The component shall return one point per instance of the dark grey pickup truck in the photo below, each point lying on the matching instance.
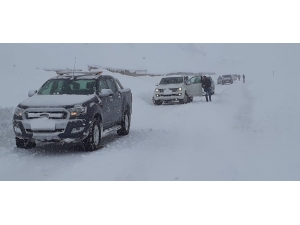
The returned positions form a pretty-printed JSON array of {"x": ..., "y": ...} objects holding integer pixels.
[{"x": 73, "y": 107}]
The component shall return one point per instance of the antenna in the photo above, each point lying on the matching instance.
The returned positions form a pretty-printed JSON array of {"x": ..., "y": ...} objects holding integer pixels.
[{"x": 74, "y": 67}]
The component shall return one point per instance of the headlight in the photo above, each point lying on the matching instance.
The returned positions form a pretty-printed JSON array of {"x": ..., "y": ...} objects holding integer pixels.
[
  {"x": 19, "y": 111},
  {"x": 180, "y": 89},
  {"x": 156, "y": 90},
  {"x": 77, "y": 111}
]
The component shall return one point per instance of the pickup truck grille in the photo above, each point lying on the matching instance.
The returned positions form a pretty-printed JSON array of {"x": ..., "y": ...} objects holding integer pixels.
[
  {"x": 48, "y": 114},
  {"x": 168, "y": 90},
  {"x": 45, "y": 131}
]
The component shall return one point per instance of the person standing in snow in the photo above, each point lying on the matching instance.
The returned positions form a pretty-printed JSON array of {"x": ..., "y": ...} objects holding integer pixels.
[
  {"x": 243, "y": 78},
  {"x": 206, "y": 86}
]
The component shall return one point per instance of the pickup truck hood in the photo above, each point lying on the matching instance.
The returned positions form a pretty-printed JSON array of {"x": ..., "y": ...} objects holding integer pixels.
[
  {"x": 163, "y": 86},
  {"x": 55, "y": 100}
]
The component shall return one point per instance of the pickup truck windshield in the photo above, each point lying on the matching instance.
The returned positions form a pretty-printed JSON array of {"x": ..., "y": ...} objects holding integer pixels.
[
  {"x": 68, "y": 87},
  {"x": 171, "y": 80},
  {"x": 227, "y": 76}
]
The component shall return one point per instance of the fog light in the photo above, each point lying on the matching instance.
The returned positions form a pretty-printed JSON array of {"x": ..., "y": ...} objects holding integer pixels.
[
  {"x": 179, "y": 94},
  {"x": 157, "y": 95},
  {"x": 77, "y": 130},
  {"x": 18, "y": 130}
]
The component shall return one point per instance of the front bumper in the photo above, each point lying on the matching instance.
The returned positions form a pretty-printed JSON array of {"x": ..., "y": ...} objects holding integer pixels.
[
  {"x": 67, "y": 131},
  {"x": 52, "y": 130},
  {"x": 173, "y": 96}
]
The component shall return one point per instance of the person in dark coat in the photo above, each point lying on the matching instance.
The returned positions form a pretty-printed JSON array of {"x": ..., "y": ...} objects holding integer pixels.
[
  {"x": 206, "y": 84},
  {"x": 243, "y": 78}
]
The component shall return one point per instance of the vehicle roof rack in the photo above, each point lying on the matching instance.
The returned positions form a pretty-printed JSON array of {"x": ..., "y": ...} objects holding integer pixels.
[{"x": 77, "y": 72}]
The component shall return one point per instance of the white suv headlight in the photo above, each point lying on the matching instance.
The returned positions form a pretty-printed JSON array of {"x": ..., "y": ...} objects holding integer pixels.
[
  {"x": 156, "y": 90},
  {"x": 180, "y": 89}
]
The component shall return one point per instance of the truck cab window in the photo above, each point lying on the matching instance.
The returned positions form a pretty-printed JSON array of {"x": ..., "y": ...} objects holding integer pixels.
[
  {"x": 102, "y": 85},
  {"x": 111, "y": 84}
]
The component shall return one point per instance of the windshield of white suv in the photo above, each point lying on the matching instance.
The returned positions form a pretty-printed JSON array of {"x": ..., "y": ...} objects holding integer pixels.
[
  {"x": 227, "y": 76},
  {"x": 68, "y": 87},
  {"x": 171, "y": 80}
]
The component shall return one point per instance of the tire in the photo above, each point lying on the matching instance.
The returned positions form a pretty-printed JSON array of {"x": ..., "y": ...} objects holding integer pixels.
[
  {"x": 125, "y": 124},
  {"x": 191, "y": 99},
  {"x": 93, "y": 140},
  {"x": 24, "y": 143},
  {"x": 157, "y": 102},
  {"x": 185, "y": 99}
]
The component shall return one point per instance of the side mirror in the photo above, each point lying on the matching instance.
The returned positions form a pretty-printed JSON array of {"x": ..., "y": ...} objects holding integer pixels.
[
  {"x": 32, "y": 93},
  {"x": 188, "y": 82},
  {"x": 156, "y": 84},
  {"x": 106, "y": 92}
]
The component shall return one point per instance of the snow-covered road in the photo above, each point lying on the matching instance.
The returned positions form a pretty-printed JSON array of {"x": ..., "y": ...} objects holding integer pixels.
[{"x": 225, "y": 139}]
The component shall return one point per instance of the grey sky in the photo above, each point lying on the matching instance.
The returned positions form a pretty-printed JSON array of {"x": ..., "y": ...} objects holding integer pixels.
[{"x": 262, "y": 59}]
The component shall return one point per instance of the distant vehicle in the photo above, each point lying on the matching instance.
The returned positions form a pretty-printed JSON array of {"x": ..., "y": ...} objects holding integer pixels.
[
  {"x": 219, "y": 80},
  {"x": 177, "y": 89},
  {"x": 79, "y": 107},
  {"x": 227, "y": 79}
]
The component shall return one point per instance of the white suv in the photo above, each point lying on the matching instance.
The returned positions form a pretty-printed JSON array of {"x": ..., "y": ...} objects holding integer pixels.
[{"x": 177, "y": 88}]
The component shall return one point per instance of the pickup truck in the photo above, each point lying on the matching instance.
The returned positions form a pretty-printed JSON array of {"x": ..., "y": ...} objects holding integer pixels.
[
  {"x": 177, "y": 88},
  {"x": 73, "y": 107}
]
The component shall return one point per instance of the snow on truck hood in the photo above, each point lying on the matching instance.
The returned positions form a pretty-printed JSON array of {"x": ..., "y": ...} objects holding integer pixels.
[{"x": 55, "y": 100}]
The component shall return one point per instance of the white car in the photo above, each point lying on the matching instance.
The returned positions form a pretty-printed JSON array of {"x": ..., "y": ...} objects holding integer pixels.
[{"x": 177, "y": 88}]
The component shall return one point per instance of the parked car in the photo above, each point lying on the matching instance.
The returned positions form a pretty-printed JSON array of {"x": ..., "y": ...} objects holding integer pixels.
[
  {"x": 78, "y": 107},
  {"x": 227, "y": 79},
  {"x": 219, "y": 80},
  {"x": 177, "y": 89}
]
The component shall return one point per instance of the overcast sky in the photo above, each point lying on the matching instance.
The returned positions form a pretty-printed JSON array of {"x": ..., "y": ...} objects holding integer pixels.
[{"x": 262, "y": 59}]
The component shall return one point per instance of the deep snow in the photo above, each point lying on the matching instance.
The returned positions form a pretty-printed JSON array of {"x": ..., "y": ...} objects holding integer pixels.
[{"x": 249, "y": 132}]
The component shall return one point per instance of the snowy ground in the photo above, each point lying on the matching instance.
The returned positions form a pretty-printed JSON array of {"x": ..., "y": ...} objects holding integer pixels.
[{"x": 248, "y": 132}]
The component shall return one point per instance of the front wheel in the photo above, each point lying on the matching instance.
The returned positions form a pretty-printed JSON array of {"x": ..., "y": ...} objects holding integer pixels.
[
  {"x": 157, "y": 102},
  {"x": 185, "y": 99},
  {"x": 125, "y": 124},
  {"x": 92, "y": 142},
  {"x": 25, "y": 143}
]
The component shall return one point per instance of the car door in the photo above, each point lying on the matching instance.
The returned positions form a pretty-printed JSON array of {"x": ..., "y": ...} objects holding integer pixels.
[
  {"x": 194, "y": 85},
  {"x": 117, "y": 115},
  {"x": 107, "y": 104}
]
